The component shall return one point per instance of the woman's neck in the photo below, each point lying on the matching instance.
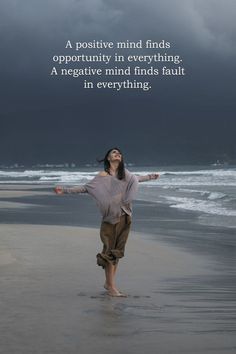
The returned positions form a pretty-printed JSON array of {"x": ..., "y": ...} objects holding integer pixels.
[{"x": 113, "y": 169}]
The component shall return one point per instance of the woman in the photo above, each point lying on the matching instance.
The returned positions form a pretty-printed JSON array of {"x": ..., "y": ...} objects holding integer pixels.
[{"x": 113, "y": 189}]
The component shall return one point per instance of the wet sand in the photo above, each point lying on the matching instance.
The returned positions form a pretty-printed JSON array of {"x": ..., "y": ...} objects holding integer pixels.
[{"x": 52, "y": 296}]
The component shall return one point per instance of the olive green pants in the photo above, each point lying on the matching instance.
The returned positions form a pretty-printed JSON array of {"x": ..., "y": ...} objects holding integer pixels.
[{"x": 114, "y": 238}]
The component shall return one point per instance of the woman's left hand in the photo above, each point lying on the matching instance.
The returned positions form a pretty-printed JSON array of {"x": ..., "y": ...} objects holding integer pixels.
[{"x": 154, "y": 175}]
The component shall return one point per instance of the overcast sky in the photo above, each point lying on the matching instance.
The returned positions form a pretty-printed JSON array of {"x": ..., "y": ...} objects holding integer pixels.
[{"x": 49, "y": 119}]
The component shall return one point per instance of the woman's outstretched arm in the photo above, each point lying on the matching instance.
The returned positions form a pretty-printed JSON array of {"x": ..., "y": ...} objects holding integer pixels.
[
  {"x": 65, "y": 190},
  {"x": 148, "y": 177}
]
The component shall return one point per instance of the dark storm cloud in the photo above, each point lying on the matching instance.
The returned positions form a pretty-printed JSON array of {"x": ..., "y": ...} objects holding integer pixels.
[
  {"x": 49, "y": 119},
  {"x": 46, "y": 25}
]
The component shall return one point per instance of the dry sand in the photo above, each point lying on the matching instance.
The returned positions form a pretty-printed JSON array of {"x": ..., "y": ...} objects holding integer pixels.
[{"x": 52, "y": 300}]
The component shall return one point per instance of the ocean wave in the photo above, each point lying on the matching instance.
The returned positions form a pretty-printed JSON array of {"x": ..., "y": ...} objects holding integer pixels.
[
  {"x": 217, "y": 195},
  {"x": 204, "y": 206},
  {"x": 194, "y": 182},
  {"x": 204, "y": 193},
  {"x": 45, "y": 172},
  {"x": 186, "y": 190},
  {"x": 66, "y": 178},
  {"x": 45, "y": 175},
  {"x": 218, "y": 172},
  {"x": 168, "y": 179}
]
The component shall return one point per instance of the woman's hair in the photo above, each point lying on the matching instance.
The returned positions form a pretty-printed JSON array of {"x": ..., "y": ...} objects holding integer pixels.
[{"x": 121, "y": 167}]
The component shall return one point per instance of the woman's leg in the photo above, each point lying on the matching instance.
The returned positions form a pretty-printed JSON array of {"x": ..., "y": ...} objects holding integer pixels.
[
  {"x": 110, "y": 271},
  {"x": 114, "y": 241}
]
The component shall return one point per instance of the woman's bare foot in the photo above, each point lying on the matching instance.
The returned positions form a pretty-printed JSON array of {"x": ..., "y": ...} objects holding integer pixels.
[
  {"x": 106, "y": 286},
  {"x": 114, "y": 292}
]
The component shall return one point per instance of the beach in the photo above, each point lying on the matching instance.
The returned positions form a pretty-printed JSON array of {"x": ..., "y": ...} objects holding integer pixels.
[{"x": 178, "y": 274}]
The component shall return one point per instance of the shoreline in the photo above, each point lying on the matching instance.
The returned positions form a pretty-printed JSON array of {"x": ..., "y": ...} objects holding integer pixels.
[{"x": 180, "y": 228}]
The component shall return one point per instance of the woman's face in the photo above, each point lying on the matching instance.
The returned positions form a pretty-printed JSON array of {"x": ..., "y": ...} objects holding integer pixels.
[{"x": 115, "y": 155}]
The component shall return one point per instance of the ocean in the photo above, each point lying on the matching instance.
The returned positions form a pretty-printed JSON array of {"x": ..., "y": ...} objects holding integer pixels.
[{"x": 209, "y": 191}]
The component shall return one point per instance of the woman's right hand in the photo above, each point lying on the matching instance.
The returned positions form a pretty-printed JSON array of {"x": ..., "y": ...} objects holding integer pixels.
[{"x": 58, "y": 190}]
